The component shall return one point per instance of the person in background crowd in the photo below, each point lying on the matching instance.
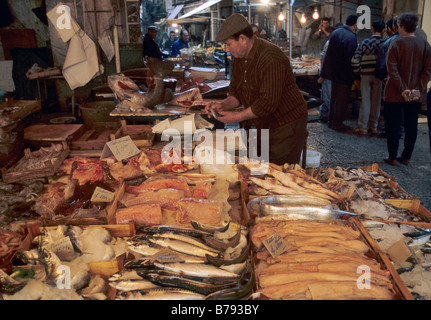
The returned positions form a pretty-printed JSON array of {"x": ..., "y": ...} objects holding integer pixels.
[
  {"x": 181, "y": 43},
  {"x": 392, "y": 31},
  {"x": 409, "y": 70},
  {"x": 282, "y": 35},
  {"x": 381, "y": 69},
  {"x": 150, "y": 47},
  {"x": 337, "y": 68},
  {"x": 323, "y": 33},
  {"x": 364, "y": 68},
  {"x": 167, "y": 46},
  {"x": 325, "y": 91},
  {"x": 263, "y": 82}
]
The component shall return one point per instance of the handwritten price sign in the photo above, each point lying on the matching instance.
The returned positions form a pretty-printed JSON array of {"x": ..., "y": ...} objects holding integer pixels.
[
  {"x": 275, "y": 245},
  {"x": 122, "y": 148},
  {"x": 102, "y": 195}
]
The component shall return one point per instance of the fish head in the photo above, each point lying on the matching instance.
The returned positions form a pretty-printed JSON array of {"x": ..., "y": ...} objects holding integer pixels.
[{"x": 122, "y": 86}]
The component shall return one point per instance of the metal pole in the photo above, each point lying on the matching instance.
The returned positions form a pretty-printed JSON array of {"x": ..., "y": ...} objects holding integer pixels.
[{"x": 290, "y": 28}]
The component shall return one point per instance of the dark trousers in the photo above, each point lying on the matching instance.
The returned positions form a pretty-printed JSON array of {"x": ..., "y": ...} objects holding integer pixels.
[
  {"x": 340, "y": 97},
  {"x": 393, "y": 115}
]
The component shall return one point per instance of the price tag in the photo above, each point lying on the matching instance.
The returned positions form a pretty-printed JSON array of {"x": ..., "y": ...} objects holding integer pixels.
[
  {"x": 122, "y": 148},
  {"x": 63, "y": 248},
  {"x": 102, "y": 195},
  {"x": 275, "y": 245}
]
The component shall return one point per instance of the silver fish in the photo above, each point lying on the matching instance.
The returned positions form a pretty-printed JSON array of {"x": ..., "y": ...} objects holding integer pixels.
[
  {"x": 420, "y": 240},
  {"x": 126, "y": 89},
  {"x": 310, "y": 213},
  {"x": 185, "y": 238},
  {"x": 189, "y": 284},
  {"x": 51, "y": 263},
  {"x": 196, "y": 270},
  {"x": 132, "y": 285},
  {"x": 143, "y": 247},
  {"x": 183, "y": 247},
  {"x": 8, "y": 284},
  {"x": 161, "y": 294}
]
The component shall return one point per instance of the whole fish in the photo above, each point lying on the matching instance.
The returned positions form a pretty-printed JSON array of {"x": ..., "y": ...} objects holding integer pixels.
[
  {"x": 160, "y": 294},
  {"x": 185, "y": 238},
  {"x": 183, "y": 247},
  {"x": 126, "y": 89},
  {"x": 132, "y": 285},
  {"x": 8, "y": 284},
  {"x": 197, "y": 270},
  {"x": 189, "y": 284}
]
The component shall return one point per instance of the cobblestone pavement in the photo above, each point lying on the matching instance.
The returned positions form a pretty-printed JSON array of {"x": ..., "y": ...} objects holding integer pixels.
[{"x": 350, "y": 150}]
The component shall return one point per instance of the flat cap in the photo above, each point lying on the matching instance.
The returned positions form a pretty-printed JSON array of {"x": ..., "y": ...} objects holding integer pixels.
[
  {"x": 233, "y": 24},
  {"x": 152, "y": 27}
]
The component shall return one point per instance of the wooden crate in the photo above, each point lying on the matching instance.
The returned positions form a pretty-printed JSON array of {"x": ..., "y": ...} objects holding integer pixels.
[
  {"x": 42, "y": 134},
  {"x": 399, "y": 285},
  {"x": 141, "y": 135},
  {"x": 21, "y": 108},
  {"x": 10, "y": 175},
  {"x": 103, "y": 219},
  {"x": 91, "y": 142}
]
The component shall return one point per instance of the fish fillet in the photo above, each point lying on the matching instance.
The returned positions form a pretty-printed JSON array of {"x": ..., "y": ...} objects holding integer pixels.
[
  {"x": 178, "y": 184},
  {"x": 200, "y": 210},
  {"x": 141, "y": 214},
  {"x": 202, "y": 190},
  {"x": 347, "y": 290},
  {"x": 166, "y": 198}
]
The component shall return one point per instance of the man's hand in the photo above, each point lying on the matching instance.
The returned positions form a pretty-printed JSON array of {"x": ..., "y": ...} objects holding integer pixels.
[
  {"x": 228, "y": 117},
  {"x": 213, "y": 106}
]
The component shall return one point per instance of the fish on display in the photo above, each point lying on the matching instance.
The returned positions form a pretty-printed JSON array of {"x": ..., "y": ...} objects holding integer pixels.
[
  {"x": 126, "y": 89},
  {"x": 160, "y": 294}
]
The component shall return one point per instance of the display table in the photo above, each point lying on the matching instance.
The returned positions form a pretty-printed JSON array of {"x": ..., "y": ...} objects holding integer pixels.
[{"x": 159, "y": 112}]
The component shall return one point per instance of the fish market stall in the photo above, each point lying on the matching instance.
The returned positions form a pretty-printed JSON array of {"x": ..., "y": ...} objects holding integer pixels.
[{"x": 189, "y": 229}]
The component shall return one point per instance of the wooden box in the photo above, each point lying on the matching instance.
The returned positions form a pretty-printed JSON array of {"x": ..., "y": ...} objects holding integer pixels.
[
  {"x": 49, "y": 169},
  {"x": 399, "y": 286},
  {"x": 141, "y": 135},
  {"x": 91, "y": 142},
  {"x": 45, "y": 134},
  {"x": 19, "y": 109}
]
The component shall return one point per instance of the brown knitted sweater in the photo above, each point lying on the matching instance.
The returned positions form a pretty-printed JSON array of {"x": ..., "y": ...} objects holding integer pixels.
[{"x": 409, "y": 67}]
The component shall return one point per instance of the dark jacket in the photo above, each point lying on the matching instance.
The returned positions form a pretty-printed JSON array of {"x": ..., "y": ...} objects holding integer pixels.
[
  {"x": 151, "y": 48},
  {"x": 337, "y": 65},
  {"x": 177, "y": 46},
  {"x": 381, "y": 69}
]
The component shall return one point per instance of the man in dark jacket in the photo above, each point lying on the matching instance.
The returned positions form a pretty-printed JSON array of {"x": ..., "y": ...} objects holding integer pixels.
[
  {"x": 150, "y": 47},
  {"x": 337, "y": 68}
]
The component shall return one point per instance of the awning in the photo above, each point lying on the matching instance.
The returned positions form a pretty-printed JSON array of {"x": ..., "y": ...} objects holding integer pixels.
[
  {"x": 188, "y": 20},
  {"x": 200, "y": 8},
  {"x": 175, "y": 12}
]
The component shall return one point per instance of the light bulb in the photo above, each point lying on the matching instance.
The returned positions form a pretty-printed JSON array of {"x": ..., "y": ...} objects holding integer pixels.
[
  {"x": 316, "y": 14},
  {"x": 174, "y": 25},
  {"x": 303, "y": 19},
  {"x": 281, "y": 17},
  {"x": 264, "y": 1}
]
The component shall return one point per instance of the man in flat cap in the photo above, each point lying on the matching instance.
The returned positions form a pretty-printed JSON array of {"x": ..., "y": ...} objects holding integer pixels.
[
  {"x": 150, "y": 47},
  {"x": 263, "y": 82}
]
